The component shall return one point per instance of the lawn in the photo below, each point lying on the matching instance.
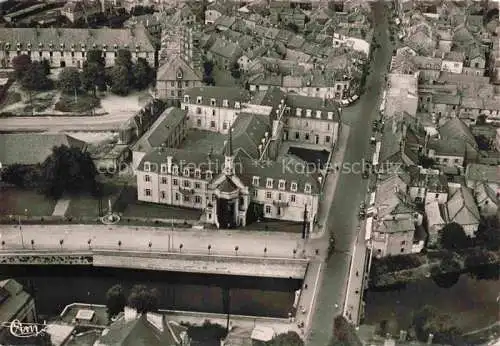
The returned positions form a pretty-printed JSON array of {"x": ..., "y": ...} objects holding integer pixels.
[
  {"x": 88, "y": 205},
  {"x": 146, "y": 210},
  {"x": 81, "y": 104},
  {"x": 11, "y": 98},
  {"x": 14, "y": 201},
  {"x": 39, "y": 101}
]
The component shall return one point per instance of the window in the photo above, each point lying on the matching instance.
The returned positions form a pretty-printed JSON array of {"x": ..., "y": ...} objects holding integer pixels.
[
  {"x": 403, "y": 242},
  {"x": 307, "y": 136},
  {"x": 279, "y": 196},
  {"x": 255, "y": 181},
  {"x": 298, "y": 112},
  {"x": 198, "y": 110},
  {"x": 175, "y": 169},
  {"x": 162, "y": 194},
  {"x": 437, "y": 195},
  {"x": 307, "y": 188},
  {"x": 318, "y": 114},
  {"x": 269, "y": 195},
  {"x": 209, "y": 175},
  {"x": 281, "y": 185},
  {"x": 292, "y": 198},
  {"x": 147, "y": 178},
  {"x": 268, "y": 209},
  {"x": 186, "y": 172},
  {"x": 402, "y": 250},
  {"x": 147, "y": 166},
  {"x": 237, "y": 105},
  {"x": 224, "y": 126},
  {"x": 187, "y": 183},
  {"x": 327, "y": 139},
  {"x": 164, "y": 180},
  {"x": 213, "y": 112},
  {"x": 293, "y": 187},
  {"x": 186, "y": 98},
  {"x": 297, "y": 135},
  {"x": 269, "y": 183},
  {"x": 197, "y": 185},
  {"x": 330, "y": 115},
  {"x": 225, "y": 103},
  {"x": 212, "y": 124},
  {"x": 172, "y": 84},
  {"x": 197, "y": 199},
  {"x": 197, "y": 173},
  {"x": 176, "y": 196},
  {"x": 185, "y": 198},
  {"x": 198, "y": 100},
  {"x": 308, "y": 113},
  {"x": 163, "y": 168},
  {"x": 212, "y": 102},
  {"x": 255, "y": 193},
  {"x": 147, "y": 192},
  {"x": 175, "y": 182},
  {"x": 198, "y": 122}
]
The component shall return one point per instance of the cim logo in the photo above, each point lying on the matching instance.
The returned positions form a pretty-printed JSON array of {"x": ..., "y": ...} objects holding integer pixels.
[{"x": 26, "y": 330}]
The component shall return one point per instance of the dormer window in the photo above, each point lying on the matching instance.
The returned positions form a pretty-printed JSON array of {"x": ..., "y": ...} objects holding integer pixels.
[
  {"x": 255, "y": 181},
  {"x": 308, "y": 113},
  {"x": 179, "y": 74},
  {"x": 198, "y": 100},
  {"x": 163, "y": 168},
  {"x": 61, "y": 45},
  {"x": 186, "y": 172},
  {"x": 281, "y": 185},
  {"x": 175, "y": 169},
  {"x": 212, "y": 102},
  {"x": 186, "y": 98},
  {"x": 237, "y": 105},
  {"x": 318, "y": 114},
  {"x": 330, "y": 115},
  {"x": 209, "y": 175},
  {"x": 197, "y": 173},
  {"x": 307, "y": 188},
  {"x": 39, "y": 45},
  {"x": 269, "y": 183},
  {"x": 298, "y": 112},
  {"x": 225, "y": 103},
  {"x": 147, "y": 166},
  {"x": 293, "y": 186},
  {"x": 115, "y": 46}
]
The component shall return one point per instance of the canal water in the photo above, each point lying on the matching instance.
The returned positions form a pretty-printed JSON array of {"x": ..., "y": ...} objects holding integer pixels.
[
  {"x": 471, "y": 302},
  {"x": 55, "y": 287}
]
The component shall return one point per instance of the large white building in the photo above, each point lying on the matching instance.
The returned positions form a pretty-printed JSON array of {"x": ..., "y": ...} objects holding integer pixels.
[{"x": 64, "y": 47}]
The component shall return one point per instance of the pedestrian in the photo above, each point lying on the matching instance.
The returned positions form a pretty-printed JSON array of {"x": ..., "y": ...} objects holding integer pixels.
[
  {"x": 305, "y": 286},
  {"x": 357, "y": 273}
]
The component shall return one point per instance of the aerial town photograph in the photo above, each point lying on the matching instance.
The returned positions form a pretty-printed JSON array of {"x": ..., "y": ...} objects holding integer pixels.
[{"x": 249, "y": 172}]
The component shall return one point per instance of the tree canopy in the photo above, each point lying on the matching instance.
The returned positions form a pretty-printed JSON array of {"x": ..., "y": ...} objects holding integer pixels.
[
  {"x": 115, "y": 300},
  {"x": 287, "y": 339},
  {"x": 453, "y": 237},
  {"x": 143, "y": 299},
  {"x": 35, "y": 77},
  {"x": 20, "y": 65},
  {"x": 488, "y": 234},
  {"x": 429, "y": 321},
  {"x": 143, "y": 74},
  {"x": 68, "y": 170},
  {"x": 69, "y": 80},
  {"x": 120, "y": 80}
]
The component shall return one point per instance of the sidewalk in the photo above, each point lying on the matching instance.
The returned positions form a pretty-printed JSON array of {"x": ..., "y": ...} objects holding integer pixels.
[{"x": 330, "y": 184}]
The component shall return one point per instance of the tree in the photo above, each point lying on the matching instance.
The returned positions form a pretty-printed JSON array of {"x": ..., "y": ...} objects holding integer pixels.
[
  {"x": 120, "y": 80},
  {"x": 68, "y": 170},
  {"x": 35, "y": 78},
  {"x": 124, "y": 58},
  {"x": 143, "y": 74},
  {"x": 69, "y": 80},
  {"x": 20, "y": 64},
  {"x": 292, "y": 27},
  {"x": 95, "y": 56},
  {"x": 235, "y": 70},
  {"x": 482, "y": 142},
  {"x": 93, "y": 75},
  {"x": 488, "y": 233},
  {"x": 46, "y": 66},
  {"x": 453, "y": 237},
  {"x": 115, "y": 300},
  {"x": 429, "y": 321},
  {"x": 287, "y": 339},
  {"x": 143, "y": 299}
]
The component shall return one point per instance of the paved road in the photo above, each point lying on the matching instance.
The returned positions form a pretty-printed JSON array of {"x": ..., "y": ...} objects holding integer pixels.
[
  {"x": 350, "y": 190},
  {"x": 75, "y": 237}
]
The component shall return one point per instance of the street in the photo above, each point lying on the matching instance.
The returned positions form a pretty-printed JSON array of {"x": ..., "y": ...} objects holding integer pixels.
[{"x": 351, "y": 189}]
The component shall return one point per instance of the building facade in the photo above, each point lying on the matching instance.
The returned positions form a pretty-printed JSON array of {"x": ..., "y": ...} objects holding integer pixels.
[
  {"x": 64, "y": 47},
  {"x": 174, "y": 77}
]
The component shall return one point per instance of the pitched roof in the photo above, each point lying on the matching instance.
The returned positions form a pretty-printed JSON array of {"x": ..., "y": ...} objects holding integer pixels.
[
  {"x": 248, "y": 130},
  {"x": 33, "y": 148},
  {"x": 457, "y": 129},
  {"x": 68, "y": 37},
  {"x": 226, "y": 49},
  {"x": 168, "y": 71},
  {"x": 483, "y": 173},
  {"x": 12, "y": 299},
  {"x": 220, "y": 94},
  {"x": 462, "y": 208},
  {"x": 160, "y": 130}
]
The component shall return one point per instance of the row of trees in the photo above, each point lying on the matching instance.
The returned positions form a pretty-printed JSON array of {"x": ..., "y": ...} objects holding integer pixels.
[
  {"x": 33, "y": 75},
  {"x": 66, "y": 170},
  {"x": 141, "y": 298},
  {"x": 123, "y": 77}
]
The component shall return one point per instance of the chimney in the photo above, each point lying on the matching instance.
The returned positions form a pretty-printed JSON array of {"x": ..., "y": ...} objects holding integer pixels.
[
  {"x": 169, "y": 164},
  {"x": 429, "y": 339},
  {"x": 402, "y": 335}
]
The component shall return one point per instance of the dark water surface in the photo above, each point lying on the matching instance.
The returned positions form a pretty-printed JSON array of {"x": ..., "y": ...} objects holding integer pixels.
[{"x": 55, "y": 287}]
